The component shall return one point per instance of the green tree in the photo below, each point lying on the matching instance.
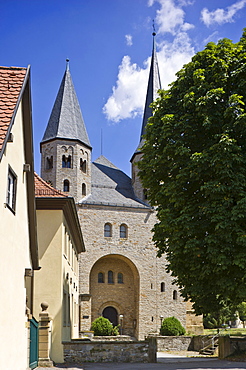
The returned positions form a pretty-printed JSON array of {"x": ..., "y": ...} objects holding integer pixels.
[
  {"x": 194, "y": 167},
  {"x": 219, "y": 318},
  {"x": 241, "y": 309}
]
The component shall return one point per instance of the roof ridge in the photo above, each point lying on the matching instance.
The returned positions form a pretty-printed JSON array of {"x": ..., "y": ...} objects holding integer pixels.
[
  {"x": 18, "y": 68},
  {"x": 104, "y": 161}
]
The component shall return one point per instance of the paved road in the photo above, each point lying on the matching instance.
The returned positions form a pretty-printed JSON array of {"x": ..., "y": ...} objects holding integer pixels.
[{"x": 165, "y": 362}]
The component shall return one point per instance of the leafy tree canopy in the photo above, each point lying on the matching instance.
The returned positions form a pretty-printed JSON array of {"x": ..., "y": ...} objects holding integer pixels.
[{"x": 194, "y": 167}]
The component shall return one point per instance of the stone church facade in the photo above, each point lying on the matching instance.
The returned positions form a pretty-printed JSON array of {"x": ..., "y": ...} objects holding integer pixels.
[{"x": 120, "y": 276}]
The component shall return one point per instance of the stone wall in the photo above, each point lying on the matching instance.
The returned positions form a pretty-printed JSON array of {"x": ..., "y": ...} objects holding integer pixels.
[
  {"x": 56, "y": 174},
  {"x": 140, "y": 299},
  {"x": 229, "y": 345},
  {"x": 179, "y": 343},
  {"x": 110, "y": 351},
  {"x": 173, "y": 343}
]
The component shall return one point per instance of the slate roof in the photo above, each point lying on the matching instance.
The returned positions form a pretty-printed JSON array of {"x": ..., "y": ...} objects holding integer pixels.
[
  {"x": 43, "y": 189},
  {"x": 11, "y": 84},
  {"x": 111, "y": 186},
  {"x": 66, "y": 121},
  {"x": 154, "y": 84}
]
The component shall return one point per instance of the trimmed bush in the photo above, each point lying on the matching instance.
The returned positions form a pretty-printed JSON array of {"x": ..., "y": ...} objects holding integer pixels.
[
  {"x": 102, "y": 326},
  {"x": 172, "y": 326}
]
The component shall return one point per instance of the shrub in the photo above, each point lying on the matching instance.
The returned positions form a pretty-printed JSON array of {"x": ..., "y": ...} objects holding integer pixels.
[
  {"x": 172, "y": 326},
  {"x": 102, "y": 326}
]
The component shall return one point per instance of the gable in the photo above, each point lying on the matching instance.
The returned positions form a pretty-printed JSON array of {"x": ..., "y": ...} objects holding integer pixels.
[{"x": 11, "y": 86}]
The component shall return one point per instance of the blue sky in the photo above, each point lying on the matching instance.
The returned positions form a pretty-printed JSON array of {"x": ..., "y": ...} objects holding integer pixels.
[{"x": 109, "y": 44}]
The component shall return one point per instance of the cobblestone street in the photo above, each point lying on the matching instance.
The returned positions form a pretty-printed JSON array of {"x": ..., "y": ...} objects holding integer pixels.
[{"x": 166, "y": 361}]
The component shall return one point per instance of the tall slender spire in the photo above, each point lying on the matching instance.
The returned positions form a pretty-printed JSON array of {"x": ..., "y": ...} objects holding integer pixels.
[
  {"x": 66, "y": 121},
  {"x": 154, "y": 84}
]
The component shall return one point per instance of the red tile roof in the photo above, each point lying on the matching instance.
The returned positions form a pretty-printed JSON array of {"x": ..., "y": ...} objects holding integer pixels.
[
  {"x": 44, "y": 190},
  {"x": 11, "y": 82}
]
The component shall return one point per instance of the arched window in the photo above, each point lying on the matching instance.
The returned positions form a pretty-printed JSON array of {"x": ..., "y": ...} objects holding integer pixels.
[
  {"x": 66, "y": 161},
  {"x": 162, "y": 287},
  {"x": 107, "y": 230},
  {"x": 120, "y": 278},
  {"x": 83, "y": 165},
  {"x": 65, "y": 185},
  {"x": 83, "y": 189},
  {"x": 175, "y": 295},
  {"x": 123, "y": 231},
  {"x": 101, "y": 277},
  {"x": 49, "y": 162},
  {"x": 110, "y": 277}
]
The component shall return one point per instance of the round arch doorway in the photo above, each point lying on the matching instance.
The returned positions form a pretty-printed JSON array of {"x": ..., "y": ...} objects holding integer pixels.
[{"x": 111, "y": 314}]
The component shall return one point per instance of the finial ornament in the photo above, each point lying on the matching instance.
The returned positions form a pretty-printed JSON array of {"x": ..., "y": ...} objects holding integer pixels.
[
  {"x": 153, "y": 25},
  {"x": 67, "y": 64}
]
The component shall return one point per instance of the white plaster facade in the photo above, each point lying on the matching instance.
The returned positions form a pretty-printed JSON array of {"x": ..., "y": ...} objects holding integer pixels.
[{"x": 15, "y": 245}]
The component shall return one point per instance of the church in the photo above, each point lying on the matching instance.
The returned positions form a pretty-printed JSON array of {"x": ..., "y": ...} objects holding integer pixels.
[{"x": 120, "y": 276}]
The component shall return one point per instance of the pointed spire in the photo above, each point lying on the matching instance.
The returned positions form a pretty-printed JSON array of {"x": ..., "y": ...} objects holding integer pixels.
[
  {"x": 66, "y": 121},
  {"x": 154, "y": 84}
]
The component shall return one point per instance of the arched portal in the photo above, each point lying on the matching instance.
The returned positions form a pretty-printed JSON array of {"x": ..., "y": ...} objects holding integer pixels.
[
  {"x": 111, "y": 314},
  {"x": 118, "y": 294}
]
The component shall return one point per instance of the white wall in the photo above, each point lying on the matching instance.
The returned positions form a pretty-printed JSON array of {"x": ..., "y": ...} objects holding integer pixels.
[{"x": 14, "y": 257}]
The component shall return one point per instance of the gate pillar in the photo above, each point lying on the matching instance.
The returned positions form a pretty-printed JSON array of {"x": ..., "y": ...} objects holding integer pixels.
[{"x": 44, "y": 337}]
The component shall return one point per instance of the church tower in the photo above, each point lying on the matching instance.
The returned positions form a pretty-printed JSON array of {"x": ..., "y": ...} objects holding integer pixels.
[
  {"x": 65, "y": 147},
  {"x": 154, "y": 84}
]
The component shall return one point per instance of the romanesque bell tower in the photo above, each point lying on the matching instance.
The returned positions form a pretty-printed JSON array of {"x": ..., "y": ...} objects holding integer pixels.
[
  {"x": 65, "y": 147},
  {"x": 154, "y": 84}
]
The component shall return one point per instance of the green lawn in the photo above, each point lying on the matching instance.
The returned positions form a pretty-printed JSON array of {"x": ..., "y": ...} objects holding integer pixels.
[{"x": 231, "y": 331}]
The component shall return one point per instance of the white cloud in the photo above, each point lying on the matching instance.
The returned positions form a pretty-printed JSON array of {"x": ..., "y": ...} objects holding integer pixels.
[
  {"x": 220, "y": 15},
  {"x": 172, "y": 57},
  {"x": 128, "y": 95},
  {"x": 128, "y": 40}
]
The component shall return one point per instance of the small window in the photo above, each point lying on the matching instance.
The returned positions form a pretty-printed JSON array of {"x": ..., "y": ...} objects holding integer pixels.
[
  {"x": 101, "y": 277},
  {"x": 49, "y": 163},
  {"x": 110, "y": 277},
  {"x": 66, "y": 186},
  {"x": 175, "y": 295},
  {"x": 123, "y": 231},
  {"x": 11, "y": 191},
  {"x": 162, "y": 287},
  {"x": 83, "y": 189},
  {"x": 66, "y": 161},
  {"x": 83, "y": 165},
  {"x": 107, "y": 230},
  {"x": 120, "y": 278}
]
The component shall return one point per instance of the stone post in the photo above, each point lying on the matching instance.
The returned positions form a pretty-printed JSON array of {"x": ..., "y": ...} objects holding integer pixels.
[
  {"x": 224, "y": 346},
  {"x": 152, "y": 355},
  {"x": 44, "y": 337}
]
